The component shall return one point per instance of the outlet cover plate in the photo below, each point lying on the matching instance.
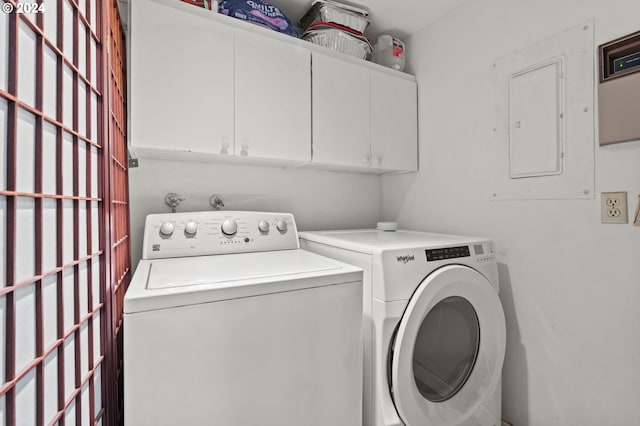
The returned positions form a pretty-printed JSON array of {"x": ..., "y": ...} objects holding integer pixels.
[{"x": 613, "y": 207}]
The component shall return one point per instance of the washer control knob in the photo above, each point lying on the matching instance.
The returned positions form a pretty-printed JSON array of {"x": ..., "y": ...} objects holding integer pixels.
[
  {"x": 229, "y": 227},
  {"x": 166, "y": 229},
  {"x": 263, "y": 227},
  {"x": 191, "y": 228},
  {"x": 282, "y": 226}
]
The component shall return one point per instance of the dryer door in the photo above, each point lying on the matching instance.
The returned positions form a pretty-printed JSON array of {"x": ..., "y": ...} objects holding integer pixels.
[{"x": 449, "y": 348}]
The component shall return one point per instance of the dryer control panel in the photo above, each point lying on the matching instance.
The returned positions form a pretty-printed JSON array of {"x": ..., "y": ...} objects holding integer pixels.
[
  {"x": 217, "y": 232},
  {"x": 483, "y": 252},
  {"x": 447, "y": 253},
  {"x": 403, "y": 269}
]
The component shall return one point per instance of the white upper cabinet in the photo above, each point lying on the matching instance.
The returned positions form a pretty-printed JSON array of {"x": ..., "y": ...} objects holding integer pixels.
[
  {"x": 341, "y": 112},
  {"x": 363, "y": 119},
  {"x": 394, "y": 125},
  {"x": 182, "y": 80},
  {"x": 208, "y": 87},
  {"x": 272, "y": 98}
]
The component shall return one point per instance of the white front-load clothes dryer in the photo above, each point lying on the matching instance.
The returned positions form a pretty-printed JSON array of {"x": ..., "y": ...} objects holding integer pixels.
[{"x": 433, "y": 326}]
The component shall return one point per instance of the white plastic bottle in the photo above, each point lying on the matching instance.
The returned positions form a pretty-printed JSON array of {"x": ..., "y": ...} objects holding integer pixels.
[{"x": 389, "y": 51}]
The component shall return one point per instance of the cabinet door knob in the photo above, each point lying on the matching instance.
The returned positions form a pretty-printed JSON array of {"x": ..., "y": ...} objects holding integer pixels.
[
  {"x": 245, "y": 150},
  {"x": 365, "y": 159},
  {"x": 225, "y": 148},
  {"x": 377, "y": 161}
]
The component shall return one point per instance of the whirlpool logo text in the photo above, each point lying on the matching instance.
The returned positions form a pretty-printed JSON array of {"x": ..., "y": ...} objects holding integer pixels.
[{"x": 406, "y": 258}]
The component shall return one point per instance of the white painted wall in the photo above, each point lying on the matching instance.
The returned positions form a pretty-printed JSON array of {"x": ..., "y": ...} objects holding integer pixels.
[
  {"x": 570, "y": 285},
  {"x": 318, "y": 199}
]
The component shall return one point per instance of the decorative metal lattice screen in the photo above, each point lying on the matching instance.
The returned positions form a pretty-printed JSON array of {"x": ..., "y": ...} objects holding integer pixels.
[
  {"x": 119, "y": 194},
  {"x": 57, "y": 227}
]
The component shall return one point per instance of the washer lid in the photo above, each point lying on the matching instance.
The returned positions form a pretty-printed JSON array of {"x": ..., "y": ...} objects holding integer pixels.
[
  {"x": 449, "y": 348},
  {"x": 165, "y": 283},
  {"x": 234, "y": 267}
]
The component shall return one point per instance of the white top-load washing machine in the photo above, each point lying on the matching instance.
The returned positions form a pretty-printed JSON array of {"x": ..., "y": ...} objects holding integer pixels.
[
  {"x": 228, "y": 322},
  {"x": 434, "y": 329}
]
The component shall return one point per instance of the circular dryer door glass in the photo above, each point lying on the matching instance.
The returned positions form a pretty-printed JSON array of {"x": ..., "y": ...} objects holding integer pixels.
[{"x": 446, "y": 348}]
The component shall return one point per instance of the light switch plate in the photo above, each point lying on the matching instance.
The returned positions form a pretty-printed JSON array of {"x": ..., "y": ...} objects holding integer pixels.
[{"x": 613, "y": 207}]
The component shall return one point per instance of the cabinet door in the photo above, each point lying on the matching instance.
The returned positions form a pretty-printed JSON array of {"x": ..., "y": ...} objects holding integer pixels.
[
  {"x": 394, "y": 122},
  {"x": 273, "y": 98},
  {"x": 181, "y": 80},
  {"x": 341, "y": 112}
]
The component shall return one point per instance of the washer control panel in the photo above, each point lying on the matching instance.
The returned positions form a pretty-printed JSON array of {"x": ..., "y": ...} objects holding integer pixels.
[{"x": 219, "y": 232}]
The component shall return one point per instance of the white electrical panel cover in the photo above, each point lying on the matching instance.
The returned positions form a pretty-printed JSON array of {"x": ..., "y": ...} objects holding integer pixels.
[
  {"x": 535, "y": 123},
  {"x": 543, "y": 121}
]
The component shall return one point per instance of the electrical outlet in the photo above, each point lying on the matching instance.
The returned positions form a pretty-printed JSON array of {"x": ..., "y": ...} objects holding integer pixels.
[{"x": 613, "y": 207}]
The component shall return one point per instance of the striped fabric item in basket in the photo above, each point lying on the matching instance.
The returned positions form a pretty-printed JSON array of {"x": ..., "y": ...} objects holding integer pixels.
[{"x": 207, "y": 4}]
